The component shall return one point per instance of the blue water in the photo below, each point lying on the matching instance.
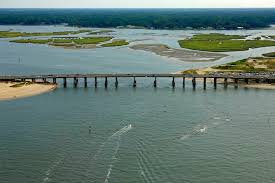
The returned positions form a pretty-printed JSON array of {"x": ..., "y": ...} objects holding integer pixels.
[{"x": 138, "y": 134}]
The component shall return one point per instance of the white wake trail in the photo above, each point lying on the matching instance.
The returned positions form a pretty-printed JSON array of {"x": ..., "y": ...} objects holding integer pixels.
[{"x": 118, "y": 135}]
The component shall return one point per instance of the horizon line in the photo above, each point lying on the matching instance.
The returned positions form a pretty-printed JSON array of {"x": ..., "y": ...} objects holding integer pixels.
[{"x": 138, "y": 8}]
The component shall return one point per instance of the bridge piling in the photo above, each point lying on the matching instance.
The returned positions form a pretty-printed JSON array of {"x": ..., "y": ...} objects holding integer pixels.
[
  {"x": 194, "y": 82},
  {"x": 85, "y": 82},
  {"x": 116, "y": 83},
  {"x": 135, "y": 82},
  {"x": 225, "y": 82},
  {"x": 95, "y": 82},
  {"x": 33, "y": 80},
  {"x": 54, "y": 80},
  {"x": 183, "y": 82},
  {"x": 106, "y": 82},
  {"x": 215, "y": 83},
  {"x": 204, "y": 83},
  {"x": 75, "y": 82},
  {"x": 173, "y": 82},
  {"x": 246, "y": 80},
  {"x": 44, "y": 80},
  {"x": 155, "y": 82},
  {"x": 65, "y": 82}
]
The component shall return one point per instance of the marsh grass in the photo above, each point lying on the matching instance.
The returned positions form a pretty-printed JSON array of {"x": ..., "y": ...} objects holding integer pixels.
[
  {"x": 222, "y": 43},
  {"x": 10, "y": 34},
  {"x": 115, "y": 43},
  {"x": 272, "y": 54},
  {"x": 21, "y": 84},
  {"x": 258, "y": 64}
]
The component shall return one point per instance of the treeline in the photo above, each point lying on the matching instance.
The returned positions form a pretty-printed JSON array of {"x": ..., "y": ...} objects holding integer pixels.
[{"x": 147, "y": 18}]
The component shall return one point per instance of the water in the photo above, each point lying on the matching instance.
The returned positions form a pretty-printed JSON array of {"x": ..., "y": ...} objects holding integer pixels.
[{"x": 138, "y": 135}]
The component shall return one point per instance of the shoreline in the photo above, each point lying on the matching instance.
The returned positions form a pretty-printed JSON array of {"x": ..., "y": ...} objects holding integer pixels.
[
  {"x": 9, "y": 90},
  {"x": 179, "y": 54},
  {"x": 264, "y": 86},
  {"x": 230, "y": 82}
]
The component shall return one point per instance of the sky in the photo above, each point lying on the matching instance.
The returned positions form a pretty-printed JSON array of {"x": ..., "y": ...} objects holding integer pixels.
[{"x": 137, "y": 3}]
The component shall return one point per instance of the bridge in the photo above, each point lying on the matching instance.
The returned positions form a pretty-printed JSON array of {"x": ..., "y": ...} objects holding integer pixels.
[{"x": 235, "y": 77}]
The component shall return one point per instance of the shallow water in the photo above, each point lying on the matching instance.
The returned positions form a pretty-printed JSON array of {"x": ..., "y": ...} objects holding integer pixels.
[{"x": 137, "y": 135}]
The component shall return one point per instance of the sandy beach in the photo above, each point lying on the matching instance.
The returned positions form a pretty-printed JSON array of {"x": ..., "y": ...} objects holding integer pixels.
[
  {"x": 8, "y": 93},
  {"x": 180, "y": 54}
]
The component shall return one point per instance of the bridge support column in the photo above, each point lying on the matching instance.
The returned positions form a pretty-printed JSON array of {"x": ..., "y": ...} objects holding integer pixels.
[
  {"x": 204, "y": 83},
  {"x": 23, "y": 80},
  {"x": 54, "y": 80},
  {"x": 215, "y": 83},
  {"x": 44, "y": 80},
  {"x": 65, "y": 82},
  {"x": 155, "y": 82},
  {"x": 116, "y": 83},
  {"x": 33, "y": 80},
  {"x": 194, "y": 82},
  {"x": 246, "y": 81},
  {"x": 236, "y": 80},
  {"x": 135, "y": 82},
  {"x": 173, "y": 82},
  {"x": 85, "y": 82},
  {"x": 95, "y": 82},
  {"x": 257, "y": 80},
  {"x": 183, "y": 82},
  {"x": 75, "y": 82},
  {"x": 225, "y": 82},
  {"x": 106, "y": 82}
]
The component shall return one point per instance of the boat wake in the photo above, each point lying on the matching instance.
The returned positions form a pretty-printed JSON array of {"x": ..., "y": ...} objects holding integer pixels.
[
  {"x": 51, "y": 169},
  {"x": 106, "y": 155},
  {"x": 113, "y": 160}
]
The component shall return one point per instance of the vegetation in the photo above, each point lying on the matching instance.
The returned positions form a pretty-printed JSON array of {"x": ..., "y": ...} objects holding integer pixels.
[
  {"x": 148, "y": 18},
  {"x": 61, "y": 40},
  {"x": 10, "y": 34},
  {"x": 17, "y": 85},
  {"x": 115, "y": 43},
  {"x": 101, "y": 32},
  {"x": 91, "y": 40},
  {"x": 190, "y": 71},
  {"x": 222, "y": 43},
  {"x": 269, "y": 54},
  {"x": 249, "y": 65},
  {"x": 33, "y": 41},
  {"x": 64, "y": 42},
  {"x": 215, "y": 37}
]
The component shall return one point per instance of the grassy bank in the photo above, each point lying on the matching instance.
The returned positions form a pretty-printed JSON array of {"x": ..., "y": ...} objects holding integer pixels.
[
  {"x": 259, "y": 64},
  {"x": 101, "y": 32},
  {"x": 32, "y": 41},
  {"x": 269, "y": 54},
  {"x": 116, "y": 43},
  {"x": 21, "y": 84},
  {"x": 222, "y": 43},
  {"x": 65, "y": 42},
  {"x": 10, "y": 34}
]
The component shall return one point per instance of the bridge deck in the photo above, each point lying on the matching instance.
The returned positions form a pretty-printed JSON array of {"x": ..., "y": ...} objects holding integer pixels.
[{"x": 238, "y": 76}]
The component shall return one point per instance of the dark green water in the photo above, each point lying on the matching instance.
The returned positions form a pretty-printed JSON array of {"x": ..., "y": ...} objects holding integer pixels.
[{"x": 137, "y": 135}]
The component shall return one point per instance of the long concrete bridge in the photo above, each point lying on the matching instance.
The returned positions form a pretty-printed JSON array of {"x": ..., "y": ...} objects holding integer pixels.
[{"x": 244, "y": 77}]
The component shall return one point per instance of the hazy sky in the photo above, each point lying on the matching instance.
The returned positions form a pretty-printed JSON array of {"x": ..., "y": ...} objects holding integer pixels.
[{"x": 136, "y": 3}]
